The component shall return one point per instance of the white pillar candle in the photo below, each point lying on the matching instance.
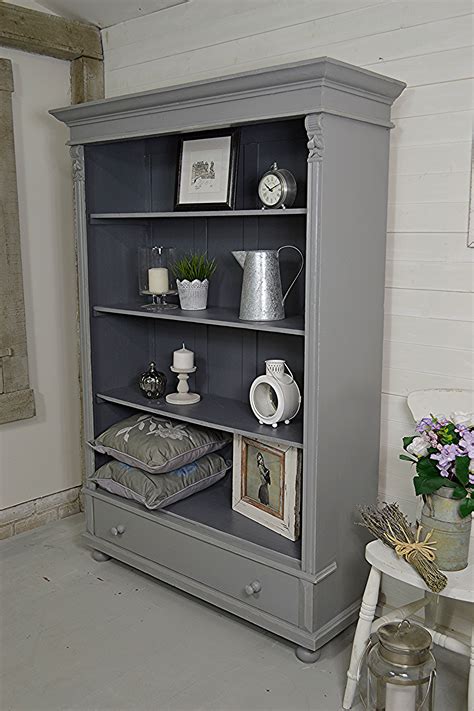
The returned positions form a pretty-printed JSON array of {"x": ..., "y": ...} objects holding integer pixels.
[
  {"x": 158, "y": 280},
  {"x": 183, "y": 359},
  {"x": 400, "y": 698}
]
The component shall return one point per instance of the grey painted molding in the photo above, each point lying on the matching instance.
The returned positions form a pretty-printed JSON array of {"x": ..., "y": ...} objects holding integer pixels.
[
  {"x": 314, "y": 128},
  {"x": 16, "y": 398},
  {"x": 80, "y": 233},
  {"x": 293, "y": 89}
]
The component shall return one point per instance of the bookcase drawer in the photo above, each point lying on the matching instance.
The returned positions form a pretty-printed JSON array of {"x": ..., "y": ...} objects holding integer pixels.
[{"x": 257, "y": 585}]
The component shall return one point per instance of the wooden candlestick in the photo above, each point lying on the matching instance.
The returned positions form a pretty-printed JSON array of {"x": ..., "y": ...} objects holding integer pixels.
[{"x": 182, "y": 396}]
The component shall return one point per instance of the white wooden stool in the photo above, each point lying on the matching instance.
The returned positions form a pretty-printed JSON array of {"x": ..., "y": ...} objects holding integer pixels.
[{"x": 384, "y": 560}]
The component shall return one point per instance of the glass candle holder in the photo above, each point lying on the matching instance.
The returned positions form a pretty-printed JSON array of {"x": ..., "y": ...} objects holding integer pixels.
[{"x": 155, "y": 278}]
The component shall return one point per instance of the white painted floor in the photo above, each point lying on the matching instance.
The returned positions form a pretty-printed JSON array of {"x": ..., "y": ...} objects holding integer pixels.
[{"x": 76, "y": 634}]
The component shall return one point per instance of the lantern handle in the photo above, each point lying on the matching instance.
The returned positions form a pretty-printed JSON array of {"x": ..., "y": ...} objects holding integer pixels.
[
  {"x": 430, "y": 684},
  {"x": 403, "y": 622}
]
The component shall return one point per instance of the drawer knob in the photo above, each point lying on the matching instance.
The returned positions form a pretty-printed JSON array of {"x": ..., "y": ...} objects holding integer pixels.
[
  {"x": 117, "y": 530},
  {"x": 254, "y": 587}
]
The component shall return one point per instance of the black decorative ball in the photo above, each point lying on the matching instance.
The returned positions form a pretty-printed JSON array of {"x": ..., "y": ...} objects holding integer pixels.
[{"x": 153, "y": 383}]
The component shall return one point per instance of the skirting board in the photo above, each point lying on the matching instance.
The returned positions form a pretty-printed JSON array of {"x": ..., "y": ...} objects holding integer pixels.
[
  {"x": 38, "y": 512},
  {"x": 256, "y": 617}
]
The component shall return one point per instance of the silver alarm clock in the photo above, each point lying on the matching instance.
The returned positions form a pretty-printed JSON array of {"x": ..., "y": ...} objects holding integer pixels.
[{"x": 277, "y": 188}]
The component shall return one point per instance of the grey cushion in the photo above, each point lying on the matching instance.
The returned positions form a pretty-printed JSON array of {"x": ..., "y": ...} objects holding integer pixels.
[
  {"x": 157, "y": 491},
  {"x": 156, "y": 444}
]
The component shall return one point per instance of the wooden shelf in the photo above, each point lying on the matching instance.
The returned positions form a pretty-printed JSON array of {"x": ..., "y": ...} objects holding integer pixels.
[
  {"x": 213, "y": 508},
  {"x": 212, "y": 411},
  {"x": 290, "y": 212},
  {"x": 213, "y": 316}
]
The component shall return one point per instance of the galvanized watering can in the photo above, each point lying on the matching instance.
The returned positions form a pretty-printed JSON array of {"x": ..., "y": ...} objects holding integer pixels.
[{"x": 262, "y": 296}]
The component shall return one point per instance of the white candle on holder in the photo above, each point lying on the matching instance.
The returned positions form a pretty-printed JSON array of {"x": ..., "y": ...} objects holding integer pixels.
[
  {"x": 183, "y": 359},
  {"x": 158, "y": 280}
]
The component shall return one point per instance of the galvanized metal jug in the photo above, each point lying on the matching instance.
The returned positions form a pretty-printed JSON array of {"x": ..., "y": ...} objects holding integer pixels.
[
  {"x": 451, "y": 532},
  {"x": 262, "y": 297}
]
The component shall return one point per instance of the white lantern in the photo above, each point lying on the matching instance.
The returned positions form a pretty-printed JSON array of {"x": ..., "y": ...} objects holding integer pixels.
[{"x": 275, "y": 397}]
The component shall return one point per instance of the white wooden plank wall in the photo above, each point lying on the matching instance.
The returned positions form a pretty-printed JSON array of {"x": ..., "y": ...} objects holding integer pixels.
[{"x": 428, "y": 44}]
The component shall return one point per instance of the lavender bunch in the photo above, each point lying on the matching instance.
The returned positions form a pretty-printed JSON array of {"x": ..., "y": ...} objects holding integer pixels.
[{"x": 387, "y": 523}]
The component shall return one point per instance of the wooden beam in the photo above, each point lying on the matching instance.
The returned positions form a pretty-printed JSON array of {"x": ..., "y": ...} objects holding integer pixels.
[
  {"x": 87, "y": 80},
  {"x": 41, "y": 33},
  {"x": 16, "y": 398}
]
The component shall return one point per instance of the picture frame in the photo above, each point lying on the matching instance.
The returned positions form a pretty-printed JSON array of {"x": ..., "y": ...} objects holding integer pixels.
[
  {"x": 207, "y": 168},
  {"x": 266, "y": 484}
]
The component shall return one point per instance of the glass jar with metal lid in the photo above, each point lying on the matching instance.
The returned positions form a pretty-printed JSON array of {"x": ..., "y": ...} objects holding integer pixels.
[{"x": 400, "y": 669}]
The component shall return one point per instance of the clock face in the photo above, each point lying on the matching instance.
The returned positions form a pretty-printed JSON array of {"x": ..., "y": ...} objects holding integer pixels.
[{"x": 270, "y": 189}]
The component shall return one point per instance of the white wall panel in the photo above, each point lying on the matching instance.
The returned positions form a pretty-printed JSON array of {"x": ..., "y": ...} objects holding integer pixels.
[
  {"x": 453, "y": 306},
  {"x": 380, "y": 33},
  {"x": 436, "y": 360},
  {"x": 428, "y": 247},
  {"x": 435, "y": 217},
  {"x": 432, "y": 68},
  {"x": 429, "y": 331},
  {"x": 439, "y": 128},
  {"x": 438, "y": 276},
  {"x": 402, "y": 382},
  {"x": 434, "y": 157},
  {"x": 441, "y": 98},
  {"x": 429, "y": 187}
]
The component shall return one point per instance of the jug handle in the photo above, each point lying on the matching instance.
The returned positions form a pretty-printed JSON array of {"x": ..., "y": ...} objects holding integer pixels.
[{"x": 290, "y": 246}]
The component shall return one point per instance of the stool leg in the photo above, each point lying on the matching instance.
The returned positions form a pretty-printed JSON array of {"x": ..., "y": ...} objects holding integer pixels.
[
  {"x": 431, "y": 609},
  {"x": 362, "y": 634},
  {"x": 470, "y": 693}
]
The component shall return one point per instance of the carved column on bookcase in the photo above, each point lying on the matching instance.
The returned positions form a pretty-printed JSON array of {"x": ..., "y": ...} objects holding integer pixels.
[
  {"x": 314, "y": 129},
  {"x": 16, "y": 397},
  {"x": 80, "y": 231}
]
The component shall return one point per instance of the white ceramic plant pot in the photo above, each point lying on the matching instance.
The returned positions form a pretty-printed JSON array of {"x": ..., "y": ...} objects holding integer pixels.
[{"x": 193, "y": 294}]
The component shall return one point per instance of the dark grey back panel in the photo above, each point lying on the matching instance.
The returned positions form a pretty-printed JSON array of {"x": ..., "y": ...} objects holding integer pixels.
[
  {"x": 117, "y": 177},
  {"x": 141, "y": 175}
]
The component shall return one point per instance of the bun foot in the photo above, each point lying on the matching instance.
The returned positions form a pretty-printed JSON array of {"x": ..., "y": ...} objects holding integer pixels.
[
  {"x": 99, "y": 556},
  {"x": 307, "y": 655}
]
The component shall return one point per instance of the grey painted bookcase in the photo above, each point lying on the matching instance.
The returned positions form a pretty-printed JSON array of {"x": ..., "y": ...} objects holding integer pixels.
[{"x": 329, "y": 123}]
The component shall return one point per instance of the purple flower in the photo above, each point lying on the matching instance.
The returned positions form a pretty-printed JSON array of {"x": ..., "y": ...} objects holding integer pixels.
[
  {"x": 467, "y": 443},
  {"x": 447, "y": 455},
  {"x": 424, "y": 424}
]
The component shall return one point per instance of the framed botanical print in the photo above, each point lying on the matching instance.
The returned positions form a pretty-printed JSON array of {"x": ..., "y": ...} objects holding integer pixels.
[
  {"x": 206, "y": 175},
  {"x": 266, "y": 484}
]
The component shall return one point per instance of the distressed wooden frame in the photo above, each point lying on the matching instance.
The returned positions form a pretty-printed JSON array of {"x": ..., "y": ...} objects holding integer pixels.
[
  {"x": 53, "y": 36},
  {"x": 286, "y": 521},
  {"x": 16, "y": 398}
]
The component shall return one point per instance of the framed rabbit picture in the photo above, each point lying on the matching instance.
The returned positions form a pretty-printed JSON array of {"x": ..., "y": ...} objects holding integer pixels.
[{"x": 266, "y": 484}]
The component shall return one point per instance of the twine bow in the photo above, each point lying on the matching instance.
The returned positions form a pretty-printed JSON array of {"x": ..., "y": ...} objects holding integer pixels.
[{"x": 407, "y": 549}]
